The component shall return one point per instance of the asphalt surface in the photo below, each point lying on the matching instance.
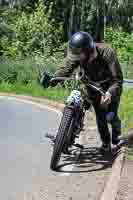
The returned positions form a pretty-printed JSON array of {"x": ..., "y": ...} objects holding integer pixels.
[{"x": 25, "y": 157}]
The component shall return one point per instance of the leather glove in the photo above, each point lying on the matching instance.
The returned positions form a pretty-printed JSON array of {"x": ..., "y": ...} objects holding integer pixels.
[{"x": 45, "y": 80}]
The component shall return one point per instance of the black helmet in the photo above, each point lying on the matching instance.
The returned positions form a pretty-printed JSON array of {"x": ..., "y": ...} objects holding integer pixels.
[{"x": 81, "y": 40}]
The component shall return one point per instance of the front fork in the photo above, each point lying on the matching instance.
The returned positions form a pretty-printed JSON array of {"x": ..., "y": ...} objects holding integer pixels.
[{"x": 78, "y": 124}]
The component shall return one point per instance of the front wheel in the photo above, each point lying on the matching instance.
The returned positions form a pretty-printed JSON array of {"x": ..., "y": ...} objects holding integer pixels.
[{"x": 61, "y": 137}]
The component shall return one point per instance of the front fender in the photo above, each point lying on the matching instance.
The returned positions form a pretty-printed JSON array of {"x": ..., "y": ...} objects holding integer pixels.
[{"x": 74, "y": 98}]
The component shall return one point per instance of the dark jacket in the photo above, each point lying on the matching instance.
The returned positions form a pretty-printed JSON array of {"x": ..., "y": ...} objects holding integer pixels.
[{"x": 104, "y": 70}]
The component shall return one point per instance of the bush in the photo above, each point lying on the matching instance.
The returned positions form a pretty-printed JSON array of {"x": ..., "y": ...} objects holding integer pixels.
[
  {"x": 25, "y": 71},
  {"x": 123, "y": 43},
  {"x": 16, "y": 71},
  {"x": 32, "y": 33}
]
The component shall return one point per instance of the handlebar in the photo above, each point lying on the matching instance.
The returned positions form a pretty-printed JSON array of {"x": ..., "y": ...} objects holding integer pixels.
[{"x": 90, "y": 84}]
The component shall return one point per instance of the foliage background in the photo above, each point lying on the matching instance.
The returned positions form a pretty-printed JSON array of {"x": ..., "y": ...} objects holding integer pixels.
[{"x": 33, "y": 34}]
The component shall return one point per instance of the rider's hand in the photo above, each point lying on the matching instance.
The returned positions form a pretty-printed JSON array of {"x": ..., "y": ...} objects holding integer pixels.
[{"x": 106, "y": 99}]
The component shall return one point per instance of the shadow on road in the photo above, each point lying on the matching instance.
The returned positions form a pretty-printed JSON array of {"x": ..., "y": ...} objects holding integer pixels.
[{"x": 90, "y": 159}]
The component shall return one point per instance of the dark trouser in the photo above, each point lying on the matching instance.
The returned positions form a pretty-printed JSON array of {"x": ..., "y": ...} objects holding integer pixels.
[{"x": 105, "y": 116}]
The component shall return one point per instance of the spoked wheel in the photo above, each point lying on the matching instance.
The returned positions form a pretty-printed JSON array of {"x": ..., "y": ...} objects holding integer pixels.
[{"x": 61, "y": 138}]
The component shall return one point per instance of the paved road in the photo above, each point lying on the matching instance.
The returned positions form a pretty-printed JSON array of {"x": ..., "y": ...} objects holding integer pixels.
[{"x": 25, "y": 156}]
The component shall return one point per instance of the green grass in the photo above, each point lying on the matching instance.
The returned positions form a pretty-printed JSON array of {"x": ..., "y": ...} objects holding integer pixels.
[
  {"x": 56, "y": 93},
  {"x": 126, "y": 114},
  {"x": 25, "y": 70},
  {"x": 126, "y": 109}
]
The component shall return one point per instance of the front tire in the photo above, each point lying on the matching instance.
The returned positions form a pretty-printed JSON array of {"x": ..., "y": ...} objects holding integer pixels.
[{"x": 61, "y": 137}]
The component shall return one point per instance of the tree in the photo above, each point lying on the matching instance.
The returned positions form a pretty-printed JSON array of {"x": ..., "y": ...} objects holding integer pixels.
[{"x": 88, "y": 15}]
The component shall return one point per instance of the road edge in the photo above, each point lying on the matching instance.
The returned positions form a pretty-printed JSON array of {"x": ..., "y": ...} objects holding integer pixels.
[
  {"x": 112, "y": 185},
  {"x": 41, "y": 100}
]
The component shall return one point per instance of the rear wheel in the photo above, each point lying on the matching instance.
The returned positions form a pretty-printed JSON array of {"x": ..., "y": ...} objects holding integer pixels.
[{"x": 61, "y": 137}]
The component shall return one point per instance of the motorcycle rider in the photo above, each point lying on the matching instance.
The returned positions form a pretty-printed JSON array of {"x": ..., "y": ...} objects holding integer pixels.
[{"x": 101, "y": 66}]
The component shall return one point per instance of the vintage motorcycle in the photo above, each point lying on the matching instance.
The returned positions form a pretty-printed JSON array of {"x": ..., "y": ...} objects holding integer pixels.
[{"x": 72, "y": 120}]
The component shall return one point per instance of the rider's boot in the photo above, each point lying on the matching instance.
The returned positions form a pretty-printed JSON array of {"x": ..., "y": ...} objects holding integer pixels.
[
  {"x": 105, "y": 148},
  {"x": 115, "y": 140}
]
